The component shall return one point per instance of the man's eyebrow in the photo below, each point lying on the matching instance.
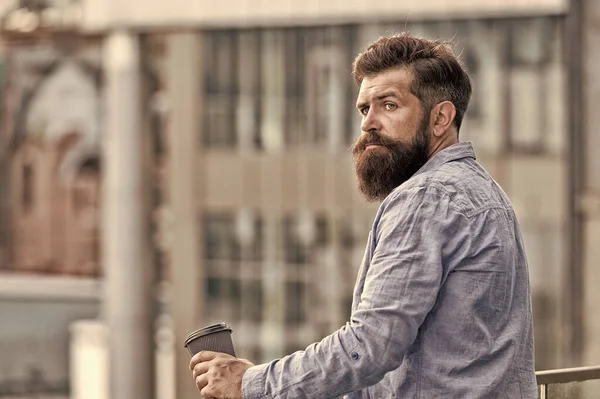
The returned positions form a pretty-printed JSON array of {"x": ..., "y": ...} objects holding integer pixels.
[
  {"x": 387, "y": 94},
  {"x": 380, "y": 97}
]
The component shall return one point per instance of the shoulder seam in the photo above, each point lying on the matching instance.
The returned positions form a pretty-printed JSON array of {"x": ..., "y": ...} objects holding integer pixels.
[{"x": 434, "y": 184}]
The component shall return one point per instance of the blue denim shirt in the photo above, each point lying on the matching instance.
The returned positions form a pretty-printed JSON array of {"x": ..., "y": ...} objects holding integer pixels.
[{"x": 441, "y": 305}]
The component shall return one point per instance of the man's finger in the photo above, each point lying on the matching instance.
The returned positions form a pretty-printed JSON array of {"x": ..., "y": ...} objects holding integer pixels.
[
  {"x": 208, "y": 393},
  {"x": 200, "y": 368},
  {"x": 202, "y": 356},
  {"x": 201, "y": 382}
]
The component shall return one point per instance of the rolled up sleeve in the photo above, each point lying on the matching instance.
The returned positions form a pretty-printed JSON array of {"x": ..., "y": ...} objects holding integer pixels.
[{"x": 414, "y": 231}]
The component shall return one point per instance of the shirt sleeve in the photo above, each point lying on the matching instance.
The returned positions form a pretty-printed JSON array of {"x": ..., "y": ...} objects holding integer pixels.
[{"x": 416, "y": 229}]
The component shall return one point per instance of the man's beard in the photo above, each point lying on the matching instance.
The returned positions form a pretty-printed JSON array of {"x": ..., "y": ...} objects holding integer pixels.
[{"x": 381, "y": 169}]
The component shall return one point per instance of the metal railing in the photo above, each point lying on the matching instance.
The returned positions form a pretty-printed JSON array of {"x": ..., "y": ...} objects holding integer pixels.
[{"x": 564, "y": 376}]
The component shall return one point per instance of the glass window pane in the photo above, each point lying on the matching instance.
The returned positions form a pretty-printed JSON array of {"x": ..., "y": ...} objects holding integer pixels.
[
  {"x": 223, "y": 299},
  {"x": 252, "y": 301},
  {"x": 220, "y": 241},
  {"x": 220, "y": 89},
  {"x": 295, "y": 302}
]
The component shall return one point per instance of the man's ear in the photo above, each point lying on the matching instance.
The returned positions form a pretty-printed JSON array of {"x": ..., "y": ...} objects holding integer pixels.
[{"x": 442, "y": 115}]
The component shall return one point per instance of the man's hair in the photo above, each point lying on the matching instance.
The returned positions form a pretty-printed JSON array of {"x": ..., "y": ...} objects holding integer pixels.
[{"x": 437, "y": 73}]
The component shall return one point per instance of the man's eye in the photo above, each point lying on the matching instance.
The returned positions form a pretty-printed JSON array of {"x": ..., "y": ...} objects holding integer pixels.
[
  {"x": 364, "y": 110},
  {"x": 390, "y": 106}
]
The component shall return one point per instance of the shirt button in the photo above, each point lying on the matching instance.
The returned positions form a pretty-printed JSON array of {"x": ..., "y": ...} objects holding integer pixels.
[{"x": 355, "y": 356}]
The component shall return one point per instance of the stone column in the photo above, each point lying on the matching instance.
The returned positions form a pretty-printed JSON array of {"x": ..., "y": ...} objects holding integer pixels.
[
  {"x": 589, "y": 201},
  {"x": 88, "y": 360},
  {"x": 128, "y": 291},
  {"x": 184, "y": 77}
]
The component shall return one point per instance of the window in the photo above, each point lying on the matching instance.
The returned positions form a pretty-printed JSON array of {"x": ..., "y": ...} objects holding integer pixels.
[
  {"x": 272, "y": 88},
  {"x": 527, "y": 41},
  {"x": 223, "y": 297},
  {"x": 302, "y": 235},
  {"x": 248, "y": 107},
  {"x": 220, "y": 89},
  {"x": 252, "y": 300},
  {"x": 295, "y": 87},
  {"x": 528, "y": 62},
  {"x": 27, "y": 193},
  {"x": 327, "y": 89},
  {"x": 232, "y": 249},
  {"x": 220, "y": 242},
  {"x": 84, "y": 191},
  {"x": 295, "y": 250},
  {"x": 249, "y": 235},
  {"x": 223, "y": 289},
  {"x": 295, "y": 302},
  {"x": 472, "y": 63},
  {"x": 273, "y": 73}
]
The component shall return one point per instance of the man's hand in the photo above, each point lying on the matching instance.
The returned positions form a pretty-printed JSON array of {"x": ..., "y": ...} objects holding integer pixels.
[{"x": 219, "y": 375}]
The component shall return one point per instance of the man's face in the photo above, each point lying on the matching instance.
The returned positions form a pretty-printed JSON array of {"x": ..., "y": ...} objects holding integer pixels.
[{"x": 394, "y": 142}]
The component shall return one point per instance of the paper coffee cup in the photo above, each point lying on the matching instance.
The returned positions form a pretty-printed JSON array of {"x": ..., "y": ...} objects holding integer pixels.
[{"x": 215, "y": 338}]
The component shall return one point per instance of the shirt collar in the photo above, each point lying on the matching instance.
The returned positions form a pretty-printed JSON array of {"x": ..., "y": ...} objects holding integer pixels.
[{"x": 452, "y": 153}]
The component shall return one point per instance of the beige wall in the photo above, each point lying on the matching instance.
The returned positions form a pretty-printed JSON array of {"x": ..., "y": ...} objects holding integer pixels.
[{"x": 232, "y": 181}]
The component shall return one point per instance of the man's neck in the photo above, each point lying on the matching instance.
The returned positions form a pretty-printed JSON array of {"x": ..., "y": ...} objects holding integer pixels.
[{"x": 450, "y": 138}]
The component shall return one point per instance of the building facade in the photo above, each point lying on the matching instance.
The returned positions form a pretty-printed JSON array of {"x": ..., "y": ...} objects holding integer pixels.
[
  {"x": 247, "y": 117},
  {"x": 277, "y": 195},
  {"x": 49, "y": 206}
]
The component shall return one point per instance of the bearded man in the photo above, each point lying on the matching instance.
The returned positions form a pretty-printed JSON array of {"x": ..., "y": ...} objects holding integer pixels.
[{"x": 442, "y": 303}]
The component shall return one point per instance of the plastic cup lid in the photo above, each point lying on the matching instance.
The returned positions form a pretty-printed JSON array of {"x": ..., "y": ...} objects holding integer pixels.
[{"x": 214, "y": 328}]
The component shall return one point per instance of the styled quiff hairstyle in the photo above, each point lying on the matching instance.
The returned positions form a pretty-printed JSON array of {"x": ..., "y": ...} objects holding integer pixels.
[{"x": 437, "y": 73}]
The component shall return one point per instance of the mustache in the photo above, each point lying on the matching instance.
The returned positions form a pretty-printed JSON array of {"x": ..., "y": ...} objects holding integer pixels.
[{"x": 372, "y": 138}]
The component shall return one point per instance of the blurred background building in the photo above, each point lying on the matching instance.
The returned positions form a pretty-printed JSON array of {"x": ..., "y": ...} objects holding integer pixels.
[{"x": 187, "y": 163}]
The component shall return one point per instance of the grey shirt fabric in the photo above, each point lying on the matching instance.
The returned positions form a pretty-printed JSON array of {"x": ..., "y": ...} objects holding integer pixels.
[{"x": 441, "y": 305}]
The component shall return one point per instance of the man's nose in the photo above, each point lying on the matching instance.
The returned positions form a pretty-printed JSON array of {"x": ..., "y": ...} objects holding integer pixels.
[{"x": 370, "y": 122}]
